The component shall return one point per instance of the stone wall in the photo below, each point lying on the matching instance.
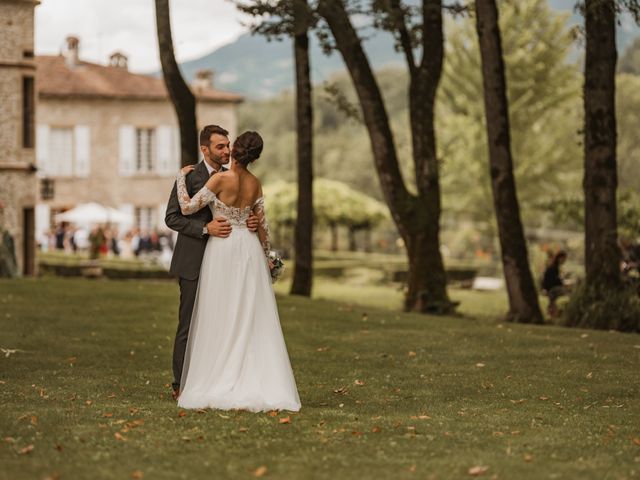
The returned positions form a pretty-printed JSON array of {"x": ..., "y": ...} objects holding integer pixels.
[{"x": 18, "y": 186}]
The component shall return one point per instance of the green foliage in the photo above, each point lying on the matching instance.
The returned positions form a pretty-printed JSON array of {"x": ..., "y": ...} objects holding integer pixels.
[
  {"x": 334, "y": 204},
  {"x": 543, "y": 89},
  {"x": 630, "y": 60},
  {"x": 604, "y": 309}
]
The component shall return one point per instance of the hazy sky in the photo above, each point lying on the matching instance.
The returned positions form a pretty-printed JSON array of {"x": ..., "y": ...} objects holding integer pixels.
[{"x": 104, "y": 26}]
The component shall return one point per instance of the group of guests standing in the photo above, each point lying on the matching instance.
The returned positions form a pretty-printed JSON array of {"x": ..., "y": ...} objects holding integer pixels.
[{"x": 105, "y": 241}]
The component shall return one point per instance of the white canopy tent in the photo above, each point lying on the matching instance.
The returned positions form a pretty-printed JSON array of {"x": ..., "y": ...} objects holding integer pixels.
[{"x": 94, "y": 213}]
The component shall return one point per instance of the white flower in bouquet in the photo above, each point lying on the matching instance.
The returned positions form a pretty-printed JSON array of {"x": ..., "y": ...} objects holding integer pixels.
[{"x": 277, "y": 265}]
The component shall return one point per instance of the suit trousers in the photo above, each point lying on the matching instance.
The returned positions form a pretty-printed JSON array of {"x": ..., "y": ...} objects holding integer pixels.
[{"x": 188, "y": 289}]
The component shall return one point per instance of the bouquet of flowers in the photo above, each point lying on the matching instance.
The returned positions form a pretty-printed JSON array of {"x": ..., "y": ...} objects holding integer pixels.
[{"x": 276, "y": 265}]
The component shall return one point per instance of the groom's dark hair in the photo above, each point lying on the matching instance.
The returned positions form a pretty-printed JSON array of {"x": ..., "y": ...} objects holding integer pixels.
[{"x": 205, "y": 134}]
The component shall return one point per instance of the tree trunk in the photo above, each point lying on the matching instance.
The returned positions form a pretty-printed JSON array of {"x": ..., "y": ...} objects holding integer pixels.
[
  {"x": 416, "y": 217},
  {"x": 427, "y": 277},
  {"x": 303, "y": 271},
  {"x": 334, "y": 237},
  {"x": 353, "y": 245},
  {"x": 602, "y": 254},
  {"x": 523, "y": 299},
  {"x": 183, "y": 100}
]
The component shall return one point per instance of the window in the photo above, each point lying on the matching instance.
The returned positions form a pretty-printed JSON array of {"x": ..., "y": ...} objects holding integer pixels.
[
  {"x": 28, "y": 112},
  {"x": 46, "y": 189},
  {"x": 145, "y": 218},
  {"x": 61, "y": 152},
  {"x": 145, "y": 149}
]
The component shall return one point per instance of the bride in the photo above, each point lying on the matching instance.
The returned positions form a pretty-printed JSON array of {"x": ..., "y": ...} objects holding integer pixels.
[{"x": 236, "y": 357}]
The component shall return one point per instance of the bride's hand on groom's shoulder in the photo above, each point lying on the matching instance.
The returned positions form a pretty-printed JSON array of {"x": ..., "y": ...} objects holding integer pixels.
[{"x": 186, "y": 170}]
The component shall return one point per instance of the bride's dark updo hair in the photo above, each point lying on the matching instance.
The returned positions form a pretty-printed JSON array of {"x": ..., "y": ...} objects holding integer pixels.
[{"x": 247, "y": 148}]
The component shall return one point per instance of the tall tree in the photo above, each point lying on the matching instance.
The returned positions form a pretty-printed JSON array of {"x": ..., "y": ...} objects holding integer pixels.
[
  {"x": 181, "y": 96},
  {"x": 417, "y": 216},
  {"x": 294, "y": 18},
  {"x": 523, "y": 298},
  {"x": 303, "y": 236},
  {"x": 602, "y": 254}
]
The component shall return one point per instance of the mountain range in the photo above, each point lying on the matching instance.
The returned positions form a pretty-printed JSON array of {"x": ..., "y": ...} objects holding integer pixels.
[{"x": 258, "y": 68}]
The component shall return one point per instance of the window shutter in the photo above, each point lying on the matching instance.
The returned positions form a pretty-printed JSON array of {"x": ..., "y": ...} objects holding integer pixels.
[
  {"x": 176, "y": 150},
  {"x": 127, "y": 150},
  {"x": 43, "y": 220},
  {"x": 164, "y": 149},
  {"x": 83, "y": 148},
  {"x": 43, "y": 146}
]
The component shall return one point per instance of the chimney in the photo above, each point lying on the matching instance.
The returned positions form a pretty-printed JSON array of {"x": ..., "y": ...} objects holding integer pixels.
[
  {"x": 118, "y": 60},
  {"x": 203, "y": 80},
  {"x": 71, "y": 54}
]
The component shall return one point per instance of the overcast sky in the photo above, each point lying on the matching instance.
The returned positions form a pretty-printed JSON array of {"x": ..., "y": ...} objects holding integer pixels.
[{"x": 104, "y": 26}]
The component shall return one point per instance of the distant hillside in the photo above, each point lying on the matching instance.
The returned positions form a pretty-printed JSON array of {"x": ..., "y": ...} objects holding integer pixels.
[{"x": 257, "y": 68}]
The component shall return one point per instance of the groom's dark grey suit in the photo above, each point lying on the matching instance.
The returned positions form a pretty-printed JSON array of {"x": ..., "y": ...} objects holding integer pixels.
[{"x": 187, "y": 259}]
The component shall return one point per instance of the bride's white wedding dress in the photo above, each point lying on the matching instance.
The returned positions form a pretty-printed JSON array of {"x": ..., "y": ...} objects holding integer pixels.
[{"x": 236, "y": 356}]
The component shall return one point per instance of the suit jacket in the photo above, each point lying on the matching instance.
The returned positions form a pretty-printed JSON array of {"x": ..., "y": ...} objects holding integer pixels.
[{"x": 189, "y": 249}]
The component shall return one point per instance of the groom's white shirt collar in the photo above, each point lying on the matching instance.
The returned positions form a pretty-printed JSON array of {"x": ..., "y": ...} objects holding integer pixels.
[{"x": 209, "y": 167}]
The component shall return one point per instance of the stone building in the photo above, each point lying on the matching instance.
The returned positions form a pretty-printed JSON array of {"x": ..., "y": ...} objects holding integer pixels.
[
  {"x": 110, "y": 136},
  {"x": 18, "y": 182}
]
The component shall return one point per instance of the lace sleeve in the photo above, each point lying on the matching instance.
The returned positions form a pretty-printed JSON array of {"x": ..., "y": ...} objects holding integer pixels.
[
  {"x": 191, "y": 205},
  {"x": 263, "y": 226}
]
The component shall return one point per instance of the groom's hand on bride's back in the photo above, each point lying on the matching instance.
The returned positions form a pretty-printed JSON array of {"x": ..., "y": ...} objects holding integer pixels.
[
  {"x": 219, "y": 227},
  {"x": 252, "y": 222}
]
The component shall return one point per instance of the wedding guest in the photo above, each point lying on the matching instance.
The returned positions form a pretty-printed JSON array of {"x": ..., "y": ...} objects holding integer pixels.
[{"x": 552, "y": 282}]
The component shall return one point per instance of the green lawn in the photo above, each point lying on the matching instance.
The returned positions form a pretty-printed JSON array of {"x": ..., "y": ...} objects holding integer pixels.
[{"x": 385, "y": 395}]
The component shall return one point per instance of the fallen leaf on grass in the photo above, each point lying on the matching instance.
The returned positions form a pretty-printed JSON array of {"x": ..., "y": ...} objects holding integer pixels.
[
  {"x": 478, "y": 470},
  {"x": 480, "y": 365},
  {"x": 107, "y": 415},
  {"x": 420, "y": 417},
  {"x": 9, "y": 440},
  {"x": 27, "y": 449},
  {"x": 119, "y": 436},
  {"x": 182, "y": 413},
  {"x": 273, "y": 413},
  {"x": 34, "y": 420},
  {"x": 376, "y": 430},
  {"x": 137, "y": 474},
  {"x": 411, "y": 353},
  {"x": 341, "y": 391},
  {"x": 360, "y": 383},
  {"x": 284, "y": 420},
  {"x": 411, "y": 469},
  {"x": 636, "y": 441},
  {"x": 260, "y": 471},
  {"x": 243, "y": 429},
  {"x": 590, "y": 375},
  {"x": 527, "y": 457}
]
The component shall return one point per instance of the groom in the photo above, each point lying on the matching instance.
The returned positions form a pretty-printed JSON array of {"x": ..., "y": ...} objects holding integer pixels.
[{"x": 193, "y": 232}]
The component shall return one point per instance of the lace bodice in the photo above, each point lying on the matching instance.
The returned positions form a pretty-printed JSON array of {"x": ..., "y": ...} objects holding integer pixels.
[{"x": 236, "y": 216}]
